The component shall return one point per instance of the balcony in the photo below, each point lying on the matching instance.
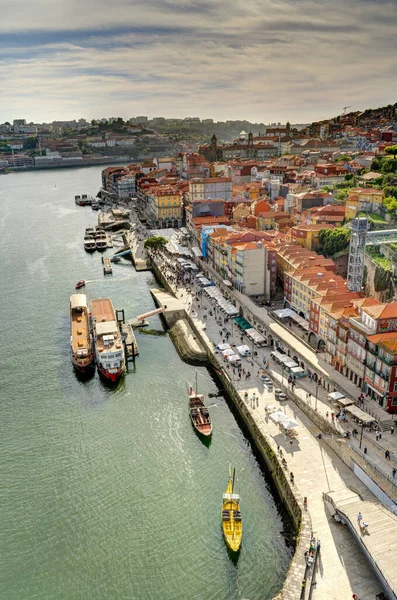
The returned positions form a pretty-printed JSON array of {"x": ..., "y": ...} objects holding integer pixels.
[{"x": 358, "y": 324}]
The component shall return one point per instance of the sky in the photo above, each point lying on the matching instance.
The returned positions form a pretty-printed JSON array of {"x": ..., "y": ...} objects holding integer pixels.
[{"x": 260, "y": 60}]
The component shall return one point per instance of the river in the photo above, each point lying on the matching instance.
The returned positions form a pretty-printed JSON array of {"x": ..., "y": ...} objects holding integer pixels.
[{"x": 109, "y": 494}]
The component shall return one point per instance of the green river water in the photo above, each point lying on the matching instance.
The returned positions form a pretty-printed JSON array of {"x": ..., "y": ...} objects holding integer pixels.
[{"x": 109, "y": 494}]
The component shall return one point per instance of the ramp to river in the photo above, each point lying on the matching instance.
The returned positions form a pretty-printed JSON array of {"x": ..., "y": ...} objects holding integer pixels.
[{"x": 378, "y": 541}]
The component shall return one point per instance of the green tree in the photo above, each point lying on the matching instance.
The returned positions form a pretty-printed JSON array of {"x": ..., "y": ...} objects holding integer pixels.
[
  {"x": 156, "y": 242},
  {"x": 30, "y": 143},
  {"x": 391, "y": 150},
  {"x": 390, "y": 190},
  {"x": 390, "y": 202},
  {"x": 334, "y": 240}
]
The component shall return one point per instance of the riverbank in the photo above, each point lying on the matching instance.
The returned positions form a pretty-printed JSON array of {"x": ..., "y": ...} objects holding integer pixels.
[{"x": 306, "y": 450}]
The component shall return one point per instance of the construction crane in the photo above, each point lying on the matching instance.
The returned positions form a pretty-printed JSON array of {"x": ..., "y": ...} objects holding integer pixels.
[{"x": 345, "y": 109}]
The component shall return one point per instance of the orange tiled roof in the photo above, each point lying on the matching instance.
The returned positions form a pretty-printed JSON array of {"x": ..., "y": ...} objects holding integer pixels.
[{"x": 388, "y": 340}]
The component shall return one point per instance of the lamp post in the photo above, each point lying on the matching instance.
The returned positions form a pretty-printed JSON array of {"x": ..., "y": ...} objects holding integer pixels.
[
  {"x": 362, "y": 432},
  {"x": 282, "y": 373},
  {"x": 317, "y": 385}
]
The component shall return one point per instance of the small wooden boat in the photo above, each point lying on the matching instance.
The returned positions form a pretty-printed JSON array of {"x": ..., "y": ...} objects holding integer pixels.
[
  {"x": 232, "y": 524},
  {"x": 199, "y": 413},
  {"x": 80, "y": 284}
]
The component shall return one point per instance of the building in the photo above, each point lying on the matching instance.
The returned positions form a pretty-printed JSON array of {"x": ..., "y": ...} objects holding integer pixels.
[
  {"x": 210, "y": 187},
  {"x": 119, "y": 181},
  {"x": 329, "y": 174},
  {"x": 161, "y": 206},
  {"x": 274, "y": 220},
  {"x": 324, "y": 215},
  {"x": 292, "y": 256},
  {"x": 363, "y": 200},
  {"x": 244, "y": 258},
  {"x": 307, "y": 235}
]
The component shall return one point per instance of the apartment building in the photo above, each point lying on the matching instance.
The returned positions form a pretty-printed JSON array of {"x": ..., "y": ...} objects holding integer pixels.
[
  {"x": 292, "y": 256},
  {"x": 363, "y": 199},
  {"x": 162, "y": 207},
  {"x": 210, "y": 187}
]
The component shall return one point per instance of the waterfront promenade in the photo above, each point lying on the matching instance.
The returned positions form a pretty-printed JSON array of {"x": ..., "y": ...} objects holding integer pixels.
[{"x": 343, "y": 569}]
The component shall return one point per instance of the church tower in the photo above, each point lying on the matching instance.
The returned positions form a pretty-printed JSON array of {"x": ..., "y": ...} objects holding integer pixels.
[{"x": 250, "y": 149}]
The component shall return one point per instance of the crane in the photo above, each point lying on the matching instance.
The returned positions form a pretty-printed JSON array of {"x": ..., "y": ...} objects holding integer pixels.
[{"x": 345, "y": 109}]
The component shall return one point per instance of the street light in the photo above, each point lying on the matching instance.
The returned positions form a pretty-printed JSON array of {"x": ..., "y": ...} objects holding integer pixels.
[
  {"x": 282, "y": 373},
  {"x": 362, "y": 432},
  {"x": 317, "y": 385}
]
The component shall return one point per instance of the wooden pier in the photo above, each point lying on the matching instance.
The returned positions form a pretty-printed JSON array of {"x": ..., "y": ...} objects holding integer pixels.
[{"x": 107, "y": 265}]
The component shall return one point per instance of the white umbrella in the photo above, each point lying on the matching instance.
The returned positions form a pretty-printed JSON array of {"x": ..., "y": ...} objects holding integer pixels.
[
  {"x": 278, "y": 416},
  {"x": 223, "y": 346},
  {"x": 228, "y": 352},
  {"x": 336, "y": 395},
  {"x": 289, "y": 423}
]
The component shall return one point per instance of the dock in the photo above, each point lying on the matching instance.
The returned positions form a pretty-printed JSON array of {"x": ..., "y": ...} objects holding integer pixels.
[
  {"x": 130, "y": 344},
  {"x": 131, "y": 349},
  {"x": 107, "y": 265}
]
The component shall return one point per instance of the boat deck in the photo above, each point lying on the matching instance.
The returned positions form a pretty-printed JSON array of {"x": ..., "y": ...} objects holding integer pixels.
[
  {"x": 80, "y": 331},
  {"x": 102, "y": 309}
]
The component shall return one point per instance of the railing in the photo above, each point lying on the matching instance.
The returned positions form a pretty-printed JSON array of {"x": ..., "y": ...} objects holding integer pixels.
[{"x": 377, "y": 468}]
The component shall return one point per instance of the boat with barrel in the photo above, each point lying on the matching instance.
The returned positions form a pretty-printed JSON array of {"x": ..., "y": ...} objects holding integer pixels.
[
  {"x": 109, "y": 351},
  {"x": 199, "y": 413},
  {"x": 80, "y": 336},
  {"x": 232, "y": 524}
]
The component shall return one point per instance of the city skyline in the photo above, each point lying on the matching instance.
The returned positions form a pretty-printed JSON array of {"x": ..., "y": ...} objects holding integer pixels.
[{"x": 256, "y": 61}]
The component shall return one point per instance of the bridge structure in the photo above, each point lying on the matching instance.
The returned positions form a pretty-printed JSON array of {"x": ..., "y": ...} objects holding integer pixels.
[
  {"x": 374, "y": 238},
  {"x": 360, "y": 238}
]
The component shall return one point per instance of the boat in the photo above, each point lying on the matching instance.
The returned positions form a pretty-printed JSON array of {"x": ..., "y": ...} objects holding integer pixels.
[
  {"x": 83, "y": 200},
  {"x": 101, "y": 242},
  {"x": 199, "y": 413},
  {"x": 89, "y": 232},
  {"x": 80, "y": 337},
  {"x": 80, "y": 284},
  {"x": 89, "y": 244},
  {"x": 232, "y": 524},
  {"x": 95, "y": 205},
  {"x": 109, "y": 351}
]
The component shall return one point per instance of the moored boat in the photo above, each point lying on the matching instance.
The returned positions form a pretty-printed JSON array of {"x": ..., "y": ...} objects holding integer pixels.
[
  {"x": 199, "y": 413},
  {"x": 232, "y": 524},
  {"x": 89, "y": 244},
  {"x": 80, "y": 337},
  {"x": 80, "y": 284},
  {"x": 101, "y": 242},
  {"x": 109, "y": 351}
]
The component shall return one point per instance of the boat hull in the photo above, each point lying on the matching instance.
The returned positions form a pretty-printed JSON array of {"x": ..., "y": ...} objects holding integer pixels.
[
  {"x": 90, "y": 248},
  {"x": 232, "y": 526},
  {"x": 86, "y": 367},
  {"x": 110, "y": 377}
]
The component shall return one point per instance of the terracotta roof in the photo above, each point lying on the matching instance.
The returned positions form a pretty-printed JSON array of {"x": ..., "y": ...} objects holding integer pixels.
[
  {"x": 198, "y": 221},
  {"x": 388, "y": 340},
  {"x": 383, "y": 311}
]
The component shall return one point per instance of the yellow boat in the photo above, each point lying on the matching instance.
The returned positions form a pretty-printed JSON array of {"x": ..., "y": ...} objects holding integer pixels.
[{"x": 231, "y": 516}]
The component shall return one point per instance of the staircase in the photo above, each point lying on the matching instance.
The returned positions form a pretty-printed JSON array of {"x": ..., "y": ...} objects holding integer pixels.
[{"x": 386, "y": 425}]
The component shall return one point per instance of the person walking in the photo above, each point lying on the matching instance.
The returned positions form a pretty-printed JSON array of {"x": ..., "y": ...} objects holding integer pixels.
[
  {"x": 377, "y": 435},
  {"x": 359, "y": 518},
  {"x": 391, "y": 430},
  {"x": 394, "y": 472},
  {"x": 387, "y": 454}
]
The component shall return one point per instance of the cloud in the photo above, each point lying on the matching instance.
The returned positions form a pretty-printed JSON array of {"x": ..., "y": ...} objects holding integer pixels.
[{"x": 264, "y": 60}]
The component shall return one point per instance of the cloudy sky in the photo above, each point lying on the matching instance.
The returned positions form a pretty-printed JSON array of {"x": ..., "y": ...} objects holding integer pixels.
[{"x": 261, "y": 60}]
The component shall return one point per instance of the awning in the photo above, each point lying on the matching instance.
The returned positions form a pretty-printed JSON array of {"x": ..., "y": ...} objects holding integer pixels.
[
  {"x": 289, "y": 423},
  {"x": 346, "y": 401},
  {"x": 278, "y": 416},
  {"x": 223, "y": 346},
  {"x": 360, "y": 414},
  {"x": 227, "y": 282},
  {"x": 243, "y": 350},
  {"x": 283, "y": 313},
  {"x": 336, "y": 395}
]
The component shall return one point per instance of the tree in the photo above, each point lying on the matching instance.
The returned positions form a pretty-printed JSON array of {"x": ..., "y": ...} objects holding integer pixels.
[
  {"x": 156, "y": 242},
  {"x": 390, "y": 190},
  {"x": 334, "y": 240},
  {"x": 391, "y": 150},
  {"x": 30, "y": 143},
  {"x": 390, "y": 202}
]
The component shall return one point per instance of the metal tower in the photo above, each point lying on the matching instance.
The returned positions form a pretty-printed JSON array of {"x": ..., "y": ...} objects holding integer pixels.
[{"x": 355, "y": 267}]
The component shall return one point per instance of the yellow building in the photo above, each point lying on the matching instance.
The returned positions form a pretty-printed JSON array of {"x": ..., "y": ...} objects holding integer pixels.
[
  {"x": 363, "y": 199},
  {"x": 164, "y": 207}
]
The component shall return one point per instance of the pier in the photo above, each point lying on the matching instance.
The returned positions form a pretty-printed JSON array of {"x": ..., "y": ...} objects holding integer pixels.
[
  {"x": 107, "y": 265},
  {"x": 131, "y": 349}
]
